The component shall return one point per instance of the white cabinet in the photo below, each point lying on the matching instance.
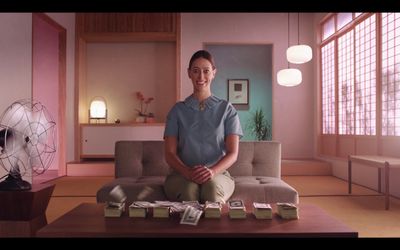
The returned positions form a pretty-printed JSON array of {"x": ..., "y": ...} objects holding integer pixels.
[{"x": 98, "y": 140}]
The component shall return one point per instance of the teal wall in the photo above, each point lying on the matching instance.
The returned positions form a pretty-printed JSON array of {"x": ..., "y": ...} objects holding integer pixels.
[{"x": 253, "y": 62}]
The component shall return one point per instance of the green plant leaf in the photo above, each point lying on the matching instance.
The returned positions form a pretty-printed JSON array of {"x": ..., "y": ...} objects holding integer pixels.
[{"x": 259, "y": 126}]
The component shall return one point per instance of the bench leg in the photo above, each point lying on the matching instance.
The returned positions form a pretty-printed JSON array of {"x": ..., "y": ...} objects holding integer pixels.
[
  {"x": 379, "y": 180},
  {"x": 386, "y": 185},
  {"x": 349, "y": 175}
]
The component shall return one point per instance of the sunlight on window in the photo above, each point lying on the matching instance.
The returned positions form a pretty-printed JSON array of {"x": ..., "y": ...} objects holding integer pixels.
[
  {"x": 343, "y": 19},
  {"x": 329, "y": 28},
  {"x": 346, "y": 83},
  {"x": 390, "y": 74},
  {"x": 356, "y": 73},
  {"x": 365, "y": 69},
  {"x": 328, "y": 88}
]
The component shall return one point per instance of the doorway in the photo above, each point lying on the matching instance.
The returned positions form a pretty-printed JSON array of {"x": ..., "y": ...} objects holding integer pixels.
[
  {"x": 49, "y": 83},
  {"x": 250, "y": 64}
]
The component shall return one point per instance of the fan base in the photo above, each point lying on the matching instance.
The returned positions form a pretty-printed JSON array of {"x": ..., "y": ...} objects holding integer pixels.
[{"x": 12, "y": 183}]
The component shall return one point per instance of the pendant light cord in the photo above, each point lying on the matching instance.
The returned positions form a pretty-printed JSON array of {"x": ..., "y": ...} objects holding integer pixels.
[
  {"x": 288, "y": 29},
  {"x": 298, "y": 28},
  {"x": 288, "y": 34}
]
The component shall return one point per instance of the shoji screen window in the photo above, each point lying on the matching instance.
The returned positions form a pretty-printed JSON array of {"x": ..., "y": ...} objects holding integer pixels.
[
  {"x": 365, "y": 81},
  {"x": 346, "y": 83},
  {"x": 390, "y": 74},
  {"x": 328, "y": 88}
]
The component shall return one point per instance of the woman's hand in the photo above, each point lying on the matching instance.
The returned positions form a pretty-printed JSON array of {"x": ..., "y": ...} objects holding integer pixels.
[{"x": 200, "y": 174}]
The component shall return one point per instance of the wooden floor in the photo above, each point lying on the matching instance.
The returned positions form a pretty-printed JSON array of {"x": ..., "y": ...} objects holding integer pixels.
[
  {"x": 45, "y": 177},
  {"x": 305, "y": 167}
]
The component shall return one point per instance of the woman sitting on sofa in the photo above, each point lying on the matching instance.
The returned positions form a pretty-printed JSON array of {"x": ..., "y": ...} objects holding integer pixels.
[{"x": 201, "y": 139}]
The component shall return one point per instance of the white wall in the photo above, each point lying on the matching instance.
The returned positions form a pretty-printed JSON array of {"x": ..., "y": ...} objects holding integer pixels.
[
  {"x": 292, "y": 108},
  {"x": 15, "y": 57},
  {"x": 116, "y": 71},
  {"x": 15, "y": 60}
]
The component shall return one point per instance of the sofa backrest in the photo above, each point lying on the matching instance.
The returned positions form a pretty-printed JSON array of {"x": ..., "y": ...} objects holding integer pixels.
[
  {"x": 146, "y": 158},
  {"x": 140, "y": 158},
  {"x": 258, "y": 158}
]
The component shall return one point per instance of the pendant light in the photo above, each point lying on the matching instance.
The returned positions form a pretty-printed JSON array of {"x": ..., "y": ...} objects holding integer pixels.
[
  {"x": 299, "y": 53},
  {"x": 289, "y": 77}
]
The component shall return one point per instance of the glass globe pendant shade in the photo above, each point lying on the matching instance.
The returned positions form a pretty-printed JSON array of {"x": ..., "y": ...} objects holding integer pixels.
[
  {"x": 289, "y": 77},
  {"x": 299, "y": 54}
]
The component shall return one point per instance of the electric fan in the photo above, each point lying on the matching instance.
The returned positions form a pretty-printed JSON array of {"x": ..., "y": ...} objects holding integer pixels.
[{"x": 27, "y": 143}]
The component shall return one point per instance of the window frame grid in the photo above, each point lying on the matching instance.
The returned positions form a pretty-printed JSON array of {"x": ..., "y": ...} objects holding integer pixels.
[{"x": 347, "y": 28}]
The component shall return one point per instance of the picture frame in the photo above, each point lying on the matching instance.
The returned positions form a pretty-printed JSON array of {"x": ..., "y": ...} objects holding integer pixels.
[{"x": 238, "y": 91}]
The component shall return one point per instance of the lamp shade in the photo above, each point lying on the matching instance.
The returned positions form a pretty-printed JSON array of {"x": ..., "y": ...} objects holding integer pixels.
[
  {"x": 98, "y": 109},
  {"x": 299, "y": 54},
  {"x": 289, "y": 77}
]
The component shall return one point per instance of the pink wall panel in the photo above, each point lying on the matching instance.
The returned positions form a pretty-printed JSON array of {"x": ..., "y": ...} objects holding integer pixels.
[
  {"x": 45, "y": 69},
  {"x": 366, "y": 146},
  {"x": 346, "y": 146}
]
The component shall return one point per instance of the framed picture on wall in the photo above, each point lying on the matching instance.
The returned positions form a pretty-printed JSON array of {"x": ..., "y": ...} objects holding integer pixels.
[{"x": 238, "y": 91}]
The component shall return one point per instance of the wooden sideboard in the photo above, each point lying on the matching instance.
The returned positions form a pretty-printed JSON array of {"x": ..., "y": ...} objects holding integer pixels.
[{"x": 98, "y": 140}]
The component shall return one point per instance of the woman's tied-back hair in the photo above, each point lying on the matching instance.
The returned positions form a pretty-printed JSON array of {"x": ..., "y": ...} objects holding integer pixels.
[{"x": 202, "y": 54}]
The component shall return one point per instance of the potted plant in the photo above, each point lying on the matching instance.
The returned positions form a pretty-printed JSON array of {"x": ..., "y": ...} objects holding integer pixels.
[
  {"x": 144, "y": 102},
  {"x": 259, "y": 126},
  {"x": 150, "y": 118}
]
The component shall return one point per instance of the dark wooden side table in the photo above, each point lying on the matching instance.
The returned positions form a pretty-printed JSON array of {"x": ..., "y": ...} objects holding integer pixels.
[{"x": 22, "y": 213}]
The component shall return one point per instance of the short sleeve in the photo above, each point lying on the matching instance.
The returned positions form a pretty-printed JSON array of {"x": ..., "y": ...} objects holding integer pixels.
[
  {"x": 232, "y": 122},
  {"x": 171, "y": 125}
]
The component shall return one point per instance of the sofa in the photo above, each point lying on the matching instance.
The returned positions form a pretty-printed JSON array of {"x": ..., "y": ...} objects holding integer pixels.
[{"x": 140, "y": 170}]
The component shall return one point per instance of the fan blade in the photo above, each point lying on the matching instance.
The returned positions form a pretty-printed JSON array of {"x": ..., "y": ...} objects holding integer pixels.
[{"x": 2, "y": 138}]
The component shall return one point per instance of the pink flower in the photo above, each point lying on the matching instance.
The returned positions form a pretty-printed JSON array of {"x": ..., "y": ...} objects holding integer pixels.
[
  {"x": 148, "y": 100},
  {"x": 142, "y": 100}
]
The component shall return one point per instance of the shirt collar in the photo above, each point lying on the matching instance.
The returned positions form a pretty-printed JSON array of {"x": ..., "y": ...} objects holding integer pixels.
[{"x": 209, "y": 103}]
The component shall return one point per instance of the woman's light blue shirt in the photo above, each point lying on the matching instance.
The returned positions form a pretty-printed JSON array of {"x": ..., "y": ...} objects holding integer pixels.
[{"x": 201, "y": 133}]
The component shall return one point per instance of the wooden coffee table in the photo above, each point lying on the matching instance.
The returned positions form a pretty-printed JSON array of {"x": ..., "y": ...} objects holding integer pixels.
[{"x": 87, "y": 220}]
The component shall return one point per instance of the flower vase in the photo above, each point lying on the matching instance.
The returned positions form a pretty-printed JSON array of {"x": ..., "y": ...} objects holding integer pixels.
[
  {"x": 150, "y": 119},
  {"x": 140, "y": 119}
]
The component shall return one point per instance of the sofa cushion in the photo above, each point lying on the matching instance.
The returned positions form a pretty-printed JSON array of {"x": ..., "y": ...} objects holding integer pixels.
[
  {"x": 153, "y": 161},
  {"x": 247, "y": 188},
  {"x": 136, "y": 189},
  {"x": 128, "y": 159},
  {"x": 262, "y": 188},
  {"x": 140, "y": 159}
]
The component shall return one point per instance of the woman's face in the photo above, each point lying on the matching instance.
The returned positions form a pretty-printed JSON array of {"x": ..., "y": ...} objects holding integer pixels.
[{"x": 201, "y": 73}]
